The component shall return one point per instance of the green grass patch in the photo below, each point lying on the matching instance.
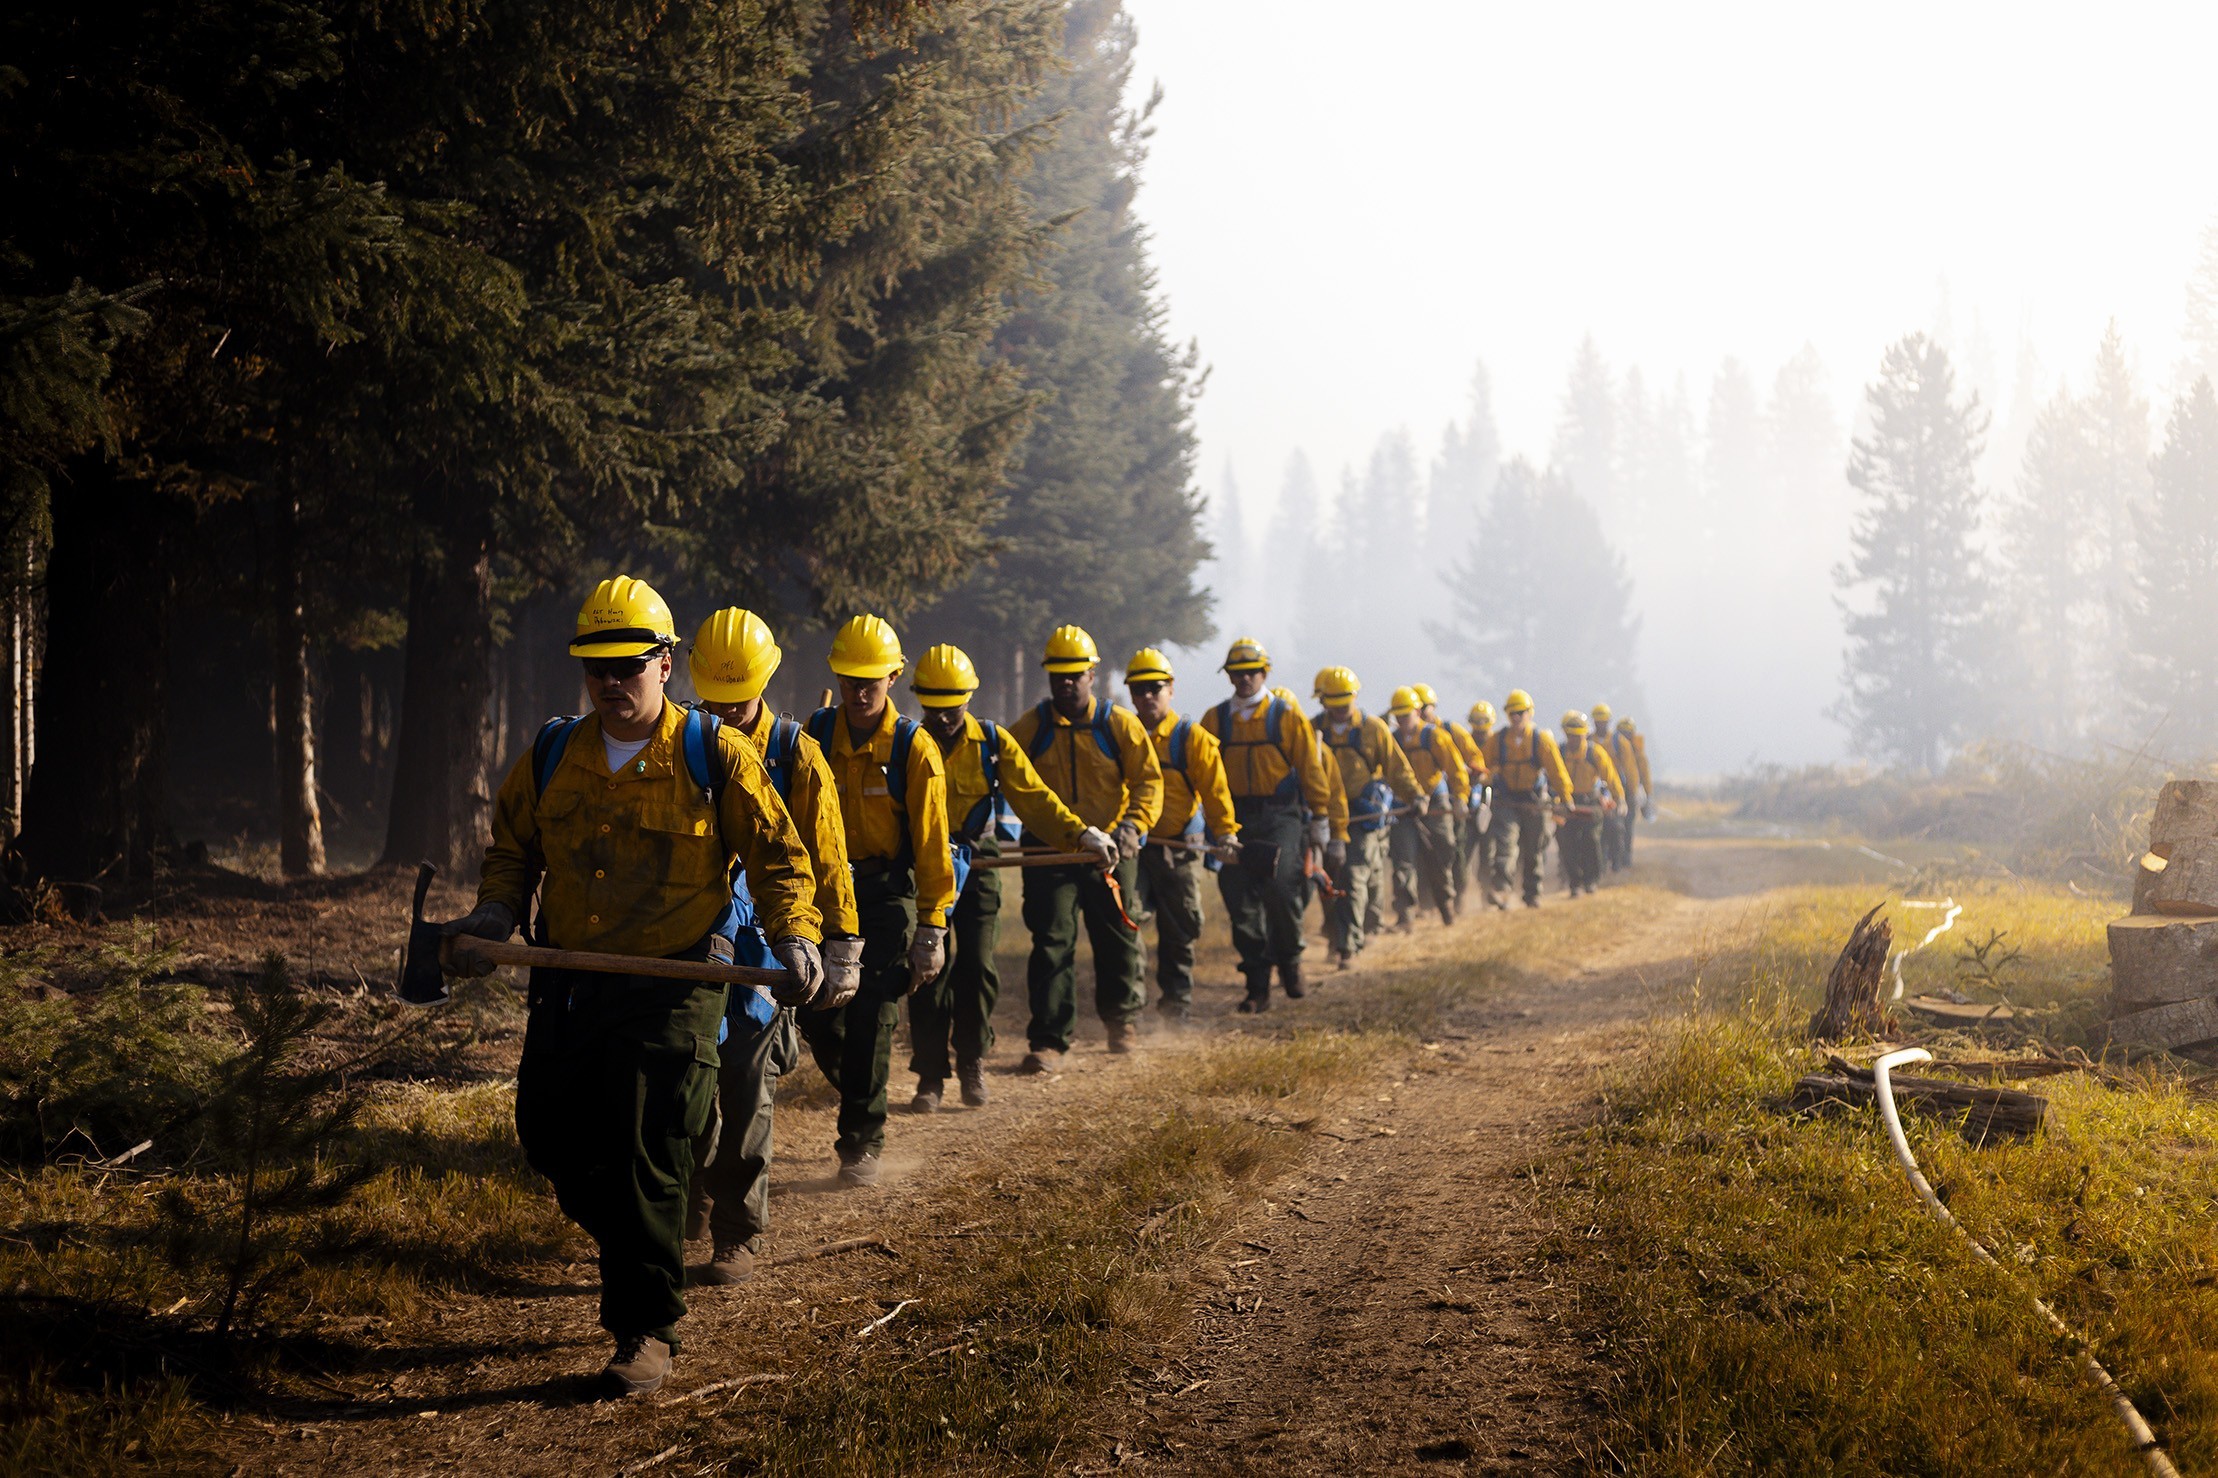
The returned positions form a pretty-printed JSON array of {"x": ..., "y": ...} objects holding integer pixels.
[{"x": 1777, "y": 1299}]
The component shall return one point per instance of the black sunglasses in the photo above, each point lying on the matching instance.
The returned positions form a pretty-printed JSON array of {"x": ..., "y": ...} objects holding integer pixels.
[
  {"x": 1146, "y": 690},
  {"x": 614, "y": 669}
]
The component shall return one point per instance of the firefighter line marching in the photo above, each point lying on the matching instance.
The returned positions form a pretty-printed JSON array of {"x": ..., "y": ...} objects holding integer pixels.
[{"x": 855, "y": 857}]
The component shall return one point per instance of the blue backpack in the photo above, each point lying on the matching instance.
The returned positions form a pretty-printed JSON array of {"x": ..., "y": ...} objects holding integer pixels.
[{"x": 1274, "y": 716}]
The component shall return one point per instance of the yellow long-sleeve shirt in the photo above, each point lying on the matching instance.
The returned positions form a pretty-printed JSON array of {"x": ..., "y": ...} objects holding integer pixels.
[
  {"x": 639, "y": 862},
  {"x": 1431, "y": 752},
  {"x": 813, "y": 802},
  {"x": 1198, "y": 782},
  {"x": 1261, "y": 765},
  {"x": 1588, "y": 765},
  {"x": 1040, "y": 809},
  {"x": 1518, "y": 766},
  {"x": 1104, "y": 791},
  {"x": 876, "y": 827},
  {"x": 1364, "y": 749},
  {"x": 1467, "y": 750},
  {"x": 1630, "y": 750}
]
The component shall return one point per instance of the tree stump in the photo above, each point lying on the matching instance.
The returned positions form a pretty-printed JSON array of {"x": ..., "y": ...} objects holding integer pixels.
[
  {"x": 2187, "y": 883},
  {"x": 1852, "y": 1007},
  {"x": 2185, "y": 811}
]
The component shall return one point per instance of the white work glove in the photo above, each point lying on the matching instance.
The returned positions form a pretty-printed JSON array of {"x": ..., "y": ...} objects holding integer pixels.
[
  {"x": 1320, "y": 831},
  {"x": 1647, "y": 810},
  {"x": 843, "y": 972},
  {"x": 491, "y": 921},
  {"x": 1336, "y": 854},
  {"x": 1129, "y": 840},
  {"x": 1421, "y": 805},
  {"x": 804, "y": 967},
  {"x": 1098, "y": 844},
  {"x": 1226, "y": 849},
  {"x": 927, "y": 954}
]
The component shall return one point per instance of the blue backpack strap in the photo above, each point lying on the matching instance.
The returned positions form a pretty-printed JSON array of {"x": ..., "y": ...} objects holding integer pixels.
[
  {"x": 1044, "y": 734},
  {"x": 820, "y": 727},
  {"x": 546, "y": 750},
  {"x": 1273, "y": 712},
  {"x": 989, "y": 756},
  {"x": 1179, "y": 738},
  {"x": 704, "y": 756},
  {"x": 783, "y": 744},
  {"x": 897, "y": 766},
  {"x": 1105, "y": 736}
]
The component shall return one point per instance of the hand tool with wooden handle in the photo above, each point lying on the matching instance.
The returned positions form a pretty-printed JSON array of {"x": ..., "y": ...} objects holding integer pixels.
[{"x": 462, "y": 948}]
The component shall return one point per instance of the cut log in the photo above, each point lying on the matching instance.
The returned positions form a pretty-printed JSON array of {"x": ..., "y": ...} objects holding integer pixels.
[
  {"x": 2156, "y": 959},
  {"x": 1981, "y": 1113},
  {"x": 1961, "y": 1013},
  {"x": 1852, "y": 1008},
  {"x": 2181, "y": 1024},
  {"x": 2187, "y": 883},
  {"x": 2186, "y": 810},
  {"x": 2145, "y": 874}
]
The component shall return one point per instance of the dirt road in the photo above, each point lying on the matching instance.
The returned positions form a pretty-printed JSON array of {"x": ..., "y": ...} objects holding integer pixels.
[{"x": 1388, "y": 1308}]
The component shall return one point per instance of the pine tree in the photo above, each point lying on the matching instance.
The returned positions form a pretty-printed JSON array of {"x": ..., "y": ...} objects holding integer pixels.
[
  {"x": 1463, "y": 474},
  {"x": 1585, "y": 449},
  {"x": 2173, "y": 674},
  {"x": 1917, "y": 599},
  {"x": 1377, "y": 542},
  {"x": 1541, "y": 599},
  {"x": 2048, "y": 572},
  {"x": 2115, "y": 484},
  {"x": 2200, "y": 334}
]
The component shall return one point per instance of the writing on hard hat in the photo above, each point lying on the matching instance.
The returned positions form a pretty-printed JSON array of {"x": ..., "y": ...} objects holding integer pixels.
[
  {"x": 732, "y": 657},
  {"x": 1070, "y": 649},
  {"x": 945, "y": 677},
  {"x": 1574, "y": 722},
  {"x": 1404, "y": 701},
  {"x": 1337, "y": 685},
  {"x": 1601, "y": 713},
  {"x": 1246, "y": 655},
  {"x": 1425, "y": 694},
  {"x": 623, "y": 617},
  {"x": 1482, "y": 712},
  {"x": 866, "y": 648},
  {"x": 1148, "y": 665},
  {"x": 1518, "y": 701}
]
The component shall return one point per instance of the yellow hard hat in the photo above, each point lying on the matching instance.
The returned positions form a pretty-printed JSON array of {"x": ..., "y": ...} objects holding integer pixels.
[
  {"x": 1625, "y": 726},
  {"x": 623, "y": 617},
  {"x": 1070, "y": 649},
  {"x": 1247, "y": 655},
  {"x": 866, "y": 648},
  {"x": 1148, "y": 666},
  {"x": 1425, "y": 694},
  {"x": 1518, "y": 701},
  {"x": 733, "y": 656},
  {"x": 1601, "y": 713},
  {"x": 945, "y": 677},
  {"x": 1337, "y": 685},
  {"x": 1574, "y": 722},
  {"x": 1482, "y": 712},
  {"x": 1404, "y": 701}
]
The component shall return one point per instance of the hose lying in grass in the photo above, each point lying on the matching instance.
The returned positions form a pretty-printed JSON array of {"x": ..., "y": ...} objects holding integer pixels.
[
  {"x": 1947, "y": 923},
  {"x": 2144, "y": 1440}
]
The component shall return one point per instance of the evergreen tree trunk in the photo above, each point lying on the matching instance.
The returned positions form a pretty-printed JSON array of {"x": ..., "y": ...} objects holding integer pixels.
[
  {"x": 442, "y": 795},
  {"x": 299, "y": 818},
  {"x": 95, "y": 806}
]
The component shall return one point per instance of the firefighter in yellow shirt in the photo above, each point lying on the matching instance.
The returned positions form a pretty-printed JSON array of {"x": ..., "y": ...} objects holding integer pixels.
[
  {"x": 1629, "y": 752},
  {"x": 988, "y": 779},
  {"x": 1595, "y": 796},
  {"x": 1375, "y": 776},
  {"x": 1423, "y": 840},
  {"x": 1474, "y": 768},
  {"x": 1274, "y": 773},
  {"x": 893, "y": 804},
  {"x": 1481, "y": 841},
  {"x": 1197, "y": 823},
  {"x": 627, "y": 823},
  {"x": 732, "y": 659},
  {"x": 1096, "y": 756},
  {"x": 1523, "y": 765}
]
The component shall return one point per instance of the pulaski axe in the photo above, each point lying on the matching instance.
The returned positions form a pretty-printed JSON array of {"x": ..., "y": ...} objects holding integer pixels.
[{"x": 432, "y": 957}]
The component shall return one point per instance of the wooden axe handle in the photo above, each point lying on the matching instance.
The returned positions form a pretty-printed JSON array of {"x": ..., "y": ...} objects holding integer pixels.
[
  {"x": 1035, "y": 859},
  {"x": 467, "y": 947}
]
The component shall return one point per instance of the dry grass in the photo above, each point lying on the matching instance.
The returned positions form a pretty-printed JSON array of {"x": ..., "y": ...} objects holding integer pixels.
[{"x": 1776, "y": 1300}]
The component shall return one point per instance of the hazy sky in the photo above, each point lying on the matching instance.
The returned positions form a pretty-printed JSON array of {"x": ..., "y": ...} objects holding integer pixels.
[{"x": 1352, "y": 203}]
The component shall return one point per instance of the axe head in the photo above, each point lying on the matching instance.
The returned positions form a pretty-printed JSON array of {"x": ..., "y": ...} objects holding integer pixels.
[{"x": 422, "y": 982}]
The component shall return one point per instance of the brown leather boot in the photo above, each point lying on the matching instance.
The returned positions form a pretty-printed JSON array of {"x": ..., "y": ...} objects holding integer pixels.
[
  {"x": 640, "y": 1365},
  {"x": 1259, "y": 993},
  {"x": 929, "y": 1091},
  {"x": 733, "y": 1263},
  {"x": 972, "y": 1077},
  {"x": 1290, "y": 977},
  {"x": 1119, "y": 1034}
]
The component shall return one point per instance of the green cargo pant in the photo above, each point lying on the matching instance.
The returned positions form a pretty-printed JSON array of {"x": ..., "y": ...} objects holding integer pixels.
[
  {"x": 1421, "y": 847},
  {"x": 734, "y": 1188},
  {"x": 616, "y": 1080},
  {"x": 1580, "y": 838},
  {"x": 1482, "y": 855},
  {"x": 957, "y": 1008},
  {"x": 1266, "y": 913},
  {"x": 1170, "y": 890},
  {"x": 1528, "y": 821},
  {"x": 1359, "y": 878},
  {"x": 1055, "y": 900},
  {"x": 854, "y": 1044}
]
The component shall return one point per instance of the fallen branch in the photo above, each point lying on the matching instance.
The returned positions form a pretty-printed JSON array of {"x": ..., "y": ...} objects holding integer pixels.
[
  {"x": 730, "y": 1383},
  {"x": 883, "y": 1319},
  {"x": 1984, "y": 1112},
  {"x": 832, "y": 1249},
  {"x": 647, "y": 1462}
]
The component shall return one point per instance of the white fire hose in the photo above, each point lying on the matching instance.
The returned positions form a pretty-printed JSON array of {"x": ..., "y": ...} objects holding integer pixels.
[
  {"x": 2144, "y": 1440},
  {"x": 1948, "y": 922}
]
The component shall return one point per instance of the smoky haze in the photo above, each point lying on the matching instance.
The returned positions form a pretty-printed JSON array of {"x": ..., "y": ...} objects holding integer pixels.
[{"x": 1648, "y": 259}]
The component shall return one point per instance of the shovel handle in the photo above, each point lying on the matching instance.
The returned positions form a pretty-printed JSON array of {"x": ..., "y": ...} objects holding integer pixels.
[
  {"x": 1035, "y": 859},
  {"x": 467, "y": 947}
]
